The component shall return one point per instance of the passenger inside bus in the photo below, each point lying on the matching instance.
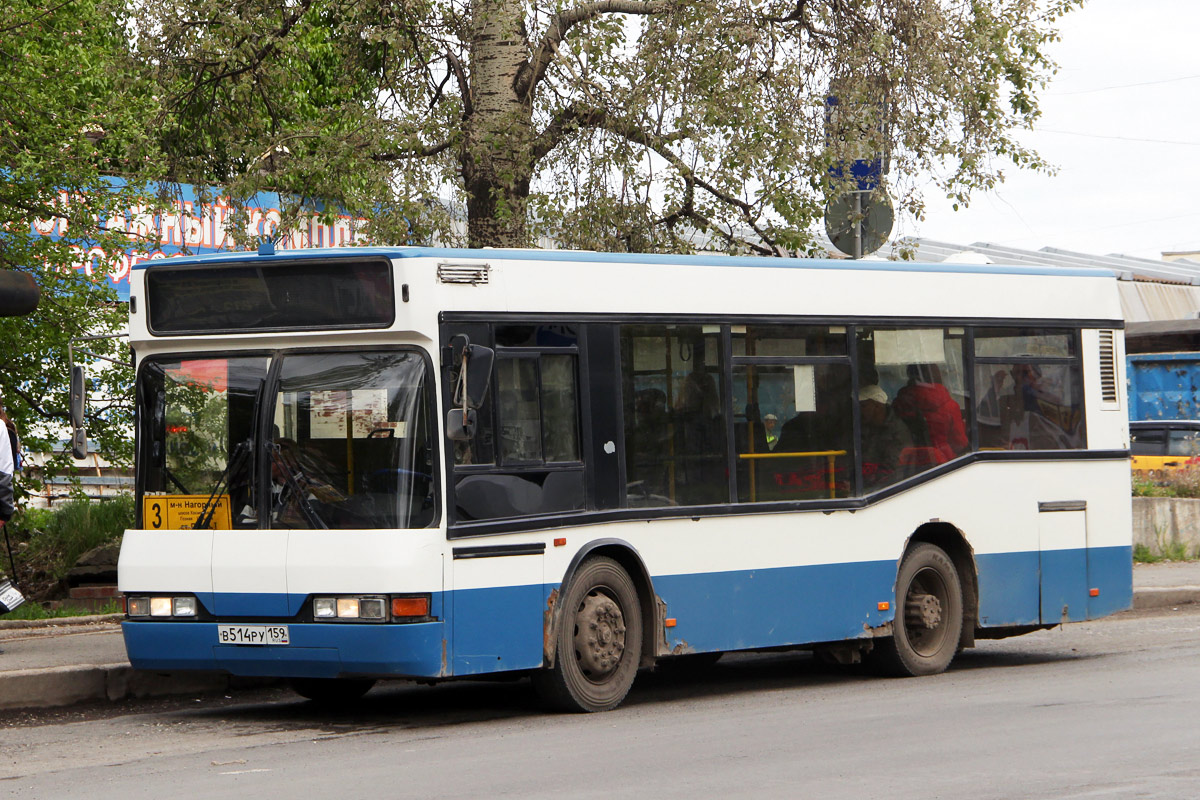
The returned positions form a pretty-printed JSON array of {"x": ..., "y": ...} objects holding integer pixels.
[
  {"x": 931, "y": 413},
  {"x": 885, "y": 438}
]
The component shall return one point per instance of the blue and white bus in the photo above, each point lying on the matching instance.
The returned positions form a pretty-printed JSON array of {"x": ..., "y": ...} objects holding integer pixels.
[{"x": 369, "y": 463}]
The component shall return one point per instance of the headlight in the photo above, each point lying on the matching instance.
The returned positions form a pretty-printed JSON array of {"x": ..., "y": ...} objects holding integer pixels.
[
  {"x": 183, "y": 606},
  {"x": 160, "y": 606},
  {"x": 370, "y": 608},
  {"x": 164, "y": 606}
]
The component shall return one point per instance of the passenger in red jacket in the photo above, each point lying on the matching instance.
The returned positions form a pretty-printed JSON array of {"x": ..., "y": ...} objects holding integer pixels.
[{"x": 926, "y": 405}]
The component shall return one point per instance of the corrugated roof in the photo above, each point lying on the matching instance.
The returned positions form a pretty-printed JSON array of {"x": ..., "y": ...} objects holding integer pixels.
[
  {"x": 1182, "y": 270},
  {"x": 1152, "y": 289}
]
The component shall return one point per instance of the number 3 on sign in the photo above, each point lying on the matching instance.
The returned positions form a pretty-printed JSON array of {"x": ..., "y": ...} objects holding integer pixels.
[{"x": 155, "y": 517}]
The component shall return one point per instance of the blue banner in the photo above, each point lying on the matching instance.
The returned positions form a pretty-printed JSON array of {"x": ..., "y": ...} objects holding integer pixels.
[{"x": 186, "y": 226}]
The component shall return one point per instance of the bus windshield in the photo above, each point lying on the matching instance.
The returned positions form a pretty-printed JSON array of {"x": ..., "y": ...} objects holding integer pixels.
[{"x": 345, "y": 442}]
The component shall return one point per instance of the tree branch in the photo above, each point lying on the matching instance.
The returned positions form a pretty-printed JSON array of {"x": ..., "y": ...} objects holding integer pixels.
[
  {"x": 416, "y": 152},
  {"x": 575, "y": 117},
  {"x": 532, "y": 72}
]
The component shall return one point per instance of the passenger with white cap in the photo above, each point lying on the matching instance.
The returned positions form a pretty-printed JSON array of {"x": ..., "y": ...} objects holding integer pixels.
[{"x": 884, "y": 436}]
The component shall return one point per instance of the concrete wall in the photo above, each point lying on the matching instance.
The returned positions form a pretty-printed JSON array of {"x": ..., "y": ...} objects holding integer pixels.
[{"x": 1162, "y": 522}]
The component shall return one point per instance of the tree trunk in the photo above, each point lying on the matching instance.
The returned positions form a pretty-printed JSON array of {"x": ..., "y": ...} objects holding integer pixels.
[{"x": 496, "y": 154}]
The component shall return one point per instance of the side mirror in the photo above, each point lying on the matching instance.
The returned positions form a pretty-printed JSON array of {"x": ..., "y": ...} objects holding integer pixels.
[
  {"x": 19, "y": 295},
  {"x": 476, "y": 360},
  {"x": 78, "y": 391},
  {"x": 460, "y": 425}
]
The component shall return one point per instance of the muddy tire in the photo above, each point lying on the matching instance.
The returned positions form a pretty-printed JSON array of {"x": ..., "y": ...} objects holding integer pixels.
[
  {"x": 929, "y": 609},
  {"x": 331, "y": 691},
  {"x": 598, "y": 641}
]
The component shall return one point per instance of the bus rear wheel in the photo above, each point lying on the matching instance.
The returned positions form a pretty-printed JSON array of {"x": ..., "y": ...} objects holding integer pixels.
[
  {"x": 331, "y": 691},
  {"x": 598, "y": 641},
  {"x": 929, "y": 615}
]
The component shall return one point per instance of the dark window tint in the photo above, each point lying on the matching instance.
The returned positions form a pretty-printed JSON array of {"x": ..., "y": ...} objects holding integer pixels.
[
  {"x": 788, "y": 341},
  {"x": 1027, "y": 406},
  {"x": 1148, "y": 442},
  {"x": 544, "y": 336},
  {"x": 793, "y": 429},
  {"x": 520, "y": 414},
  {"x": 498, "y": 495},
  {"x": 1183, "y": 443},
  {"x": 538, "y": 409},
  {"x": 280, "y": 295},
  {"x": 1024, "y": 343},
  {"x": 675, "y": 438},
  {"x": 534, "y": 397},
  {"x": 1030, "y": 390}
]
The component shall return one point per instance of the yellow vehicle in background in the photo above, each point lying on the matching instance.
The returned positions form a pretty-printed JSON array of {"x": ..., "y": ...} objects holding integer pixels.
[{"x": 1160, "y": 447}]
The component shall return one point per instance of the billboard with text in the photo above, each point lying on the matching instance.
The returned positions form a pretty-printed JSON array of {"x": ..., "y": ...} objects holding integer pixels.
[{"x": 185, "y": 225}]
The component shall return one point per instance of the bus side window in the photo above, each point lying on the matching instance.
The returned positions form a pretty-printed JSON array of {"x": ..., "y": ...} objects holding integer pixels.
[
  {"x": 912, "y": 401},
  {"x": 539, "y": 466},
  {"x": 1029, "y": 388},
  {"x": 675, "y": 437}
]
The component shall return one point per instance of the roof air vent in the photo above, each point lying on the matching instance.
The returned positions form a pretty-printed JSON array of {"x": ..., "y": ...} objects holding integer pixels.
[{"x": 465, "y": 274}]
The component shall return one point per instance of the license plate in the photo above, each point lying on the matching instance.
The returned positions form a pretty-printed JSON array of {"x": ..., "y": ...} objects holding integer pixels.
[{"x": 252, "y": 634}]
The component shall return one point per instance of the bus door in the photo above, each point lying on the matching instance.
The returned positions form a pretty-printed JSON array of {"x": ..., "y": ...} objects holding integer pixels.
[
  {"x": 1062, "y": 539},
  {"x": 498, "y": 607}
]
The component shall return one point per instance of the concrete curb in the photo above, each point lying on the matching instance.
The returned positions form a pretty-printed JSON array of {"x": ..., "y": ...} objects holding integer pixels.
[
  {"x": 1165, "y": 596},
  {"x": 54, "y": 687},
  {"x": 54, "y": 622}
]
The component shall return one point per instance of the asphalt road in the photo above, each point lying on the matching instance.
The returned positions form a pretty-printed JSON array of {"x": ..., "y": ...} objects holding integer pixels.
[{"x": 1101, "y": 710}]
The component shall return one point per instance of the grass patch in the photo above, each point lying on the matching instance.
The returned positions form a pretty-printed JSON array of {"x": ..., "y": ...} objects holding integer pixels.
[
  {"x": 47, "y": 542},
  {"x": 1144, "y": 555},
  {"x": 1173, "y": 483},
  {"x": 1171, "y": 551},
  {"x": 32, "y": 610}
]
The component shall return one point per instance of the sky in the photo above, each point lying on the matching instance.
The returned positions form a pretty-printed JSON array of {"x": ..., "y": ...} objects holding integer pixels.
[{"x": 1121, "y": 121}]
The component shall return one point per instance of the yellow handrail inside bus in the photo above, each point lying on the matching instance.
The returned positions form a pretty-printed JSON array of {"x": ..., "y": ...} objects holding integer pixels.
[{"x": 829, "y": 455}]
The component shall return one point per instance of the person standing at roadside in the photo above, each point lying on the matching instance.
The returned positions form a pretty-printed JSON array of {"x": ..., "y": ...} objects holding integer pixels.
[
  {"x": 8, "y": 467},
  {"x": 10, "y": 597}
]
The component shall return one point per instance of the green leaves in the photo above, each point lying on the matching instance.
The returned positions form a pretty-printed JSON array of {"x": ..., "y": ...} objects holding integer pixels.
[
  {"x": 674, "y": 124},
  {"x": 71, "y": 111}
]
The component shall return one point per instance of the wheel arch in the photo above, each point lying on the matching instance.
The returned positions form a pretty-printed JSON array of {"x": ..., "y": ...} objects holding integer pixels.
[
  {"x": 954, "y": 543},
  {"x": 631, "y": 561}
]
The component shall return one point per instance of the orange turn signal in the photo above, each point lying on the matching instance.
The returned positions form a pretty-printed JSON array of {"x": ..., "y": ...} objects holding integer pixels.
[
  {"x": 885, "y": 605},
  {"x": 410, "y": 606},
  {"x": 560, "y": 541},
  {"x": 1094, "y": 592},
  {"x": 669, "y": 622}
]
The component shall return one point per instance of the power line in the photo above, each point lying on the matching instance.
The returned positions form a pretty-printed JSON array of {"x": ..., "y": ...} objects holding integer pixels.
[
  {"x": 1126, "y": 86},
  {"x": 1118, "y": 138}
]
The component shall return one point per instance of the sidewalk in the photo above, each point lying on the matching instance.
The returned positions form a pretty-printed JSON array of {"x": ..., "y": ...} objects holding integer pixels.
[{"x": 59, "y": 662}]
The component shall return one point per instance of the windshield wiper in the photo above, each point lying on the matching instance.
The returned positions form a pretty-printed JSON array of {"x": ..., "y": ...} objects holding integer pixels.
[
  {"x": 236, "y": 459},
  {"x": 171, "y": 477},
  {"x": 293, "y": 485}
]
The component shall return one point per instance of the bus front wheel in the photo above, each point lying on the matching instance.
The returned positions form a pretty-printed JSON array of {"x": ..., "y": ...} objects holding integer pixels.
[
  {"x": 598, "y": 641},
  {"x": 929, "y": 613}
]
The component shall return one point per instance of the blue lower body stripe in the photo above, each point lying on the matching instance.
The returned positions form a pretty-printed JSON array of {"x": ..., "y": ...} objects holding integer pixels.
[{"x": 501, "y": 629}]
